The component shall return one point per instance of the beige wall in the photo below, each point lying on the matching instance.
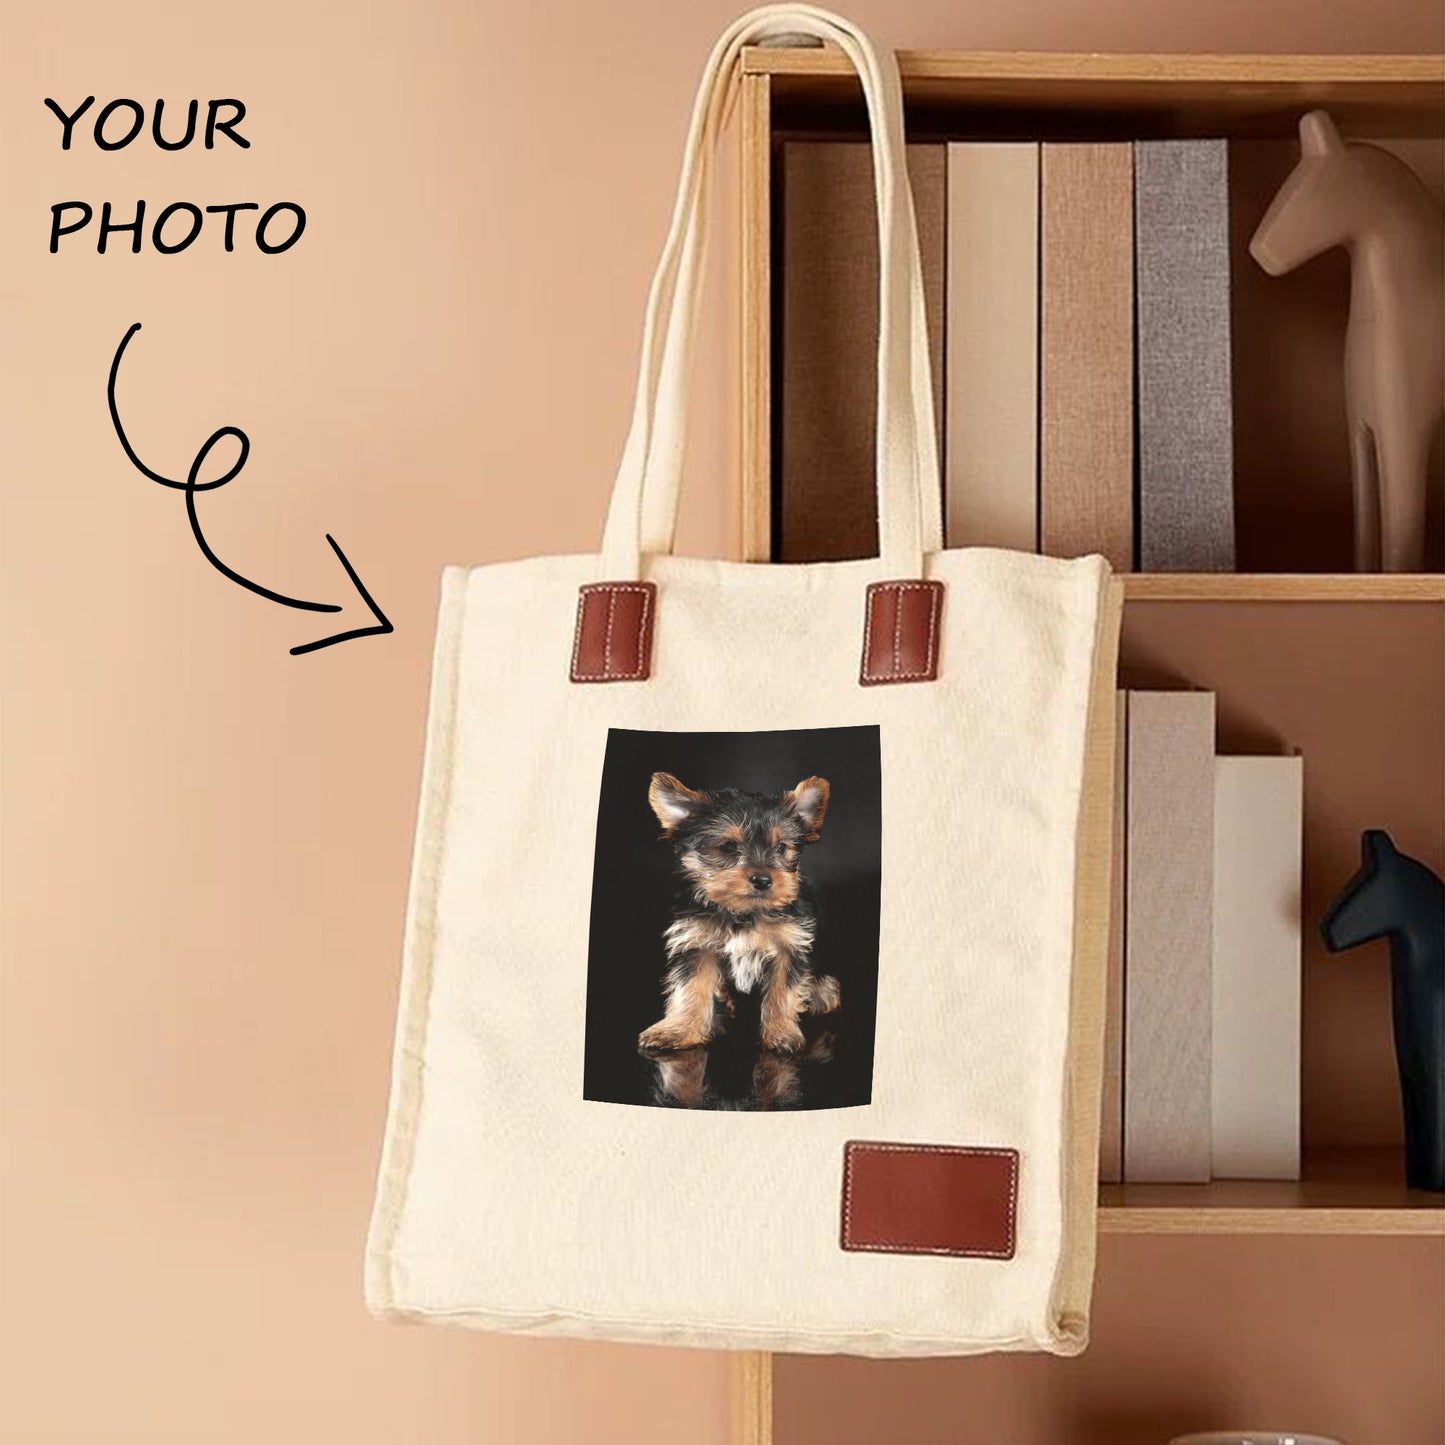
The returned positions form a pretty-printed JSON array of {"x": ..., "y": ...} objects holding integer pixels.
[{"x": 205, "y": 840}]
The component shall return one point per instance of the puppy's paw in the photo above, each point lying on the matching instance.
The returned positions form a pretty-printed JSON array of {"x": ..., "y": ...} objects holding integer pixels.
[
  {"x": 820, "y": 1051},
  {"x": 665, "y": 1037},
  {"x": 824, "y": 995},
  {"x": 782, "y": 1038}
]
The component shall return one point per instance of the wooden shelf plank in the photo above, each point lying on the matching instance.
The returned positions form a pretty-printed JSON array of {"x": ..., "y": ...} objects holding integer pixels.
[
  {"x": 1293, "y": 587},
  {"x": 1100, "y": 67},
  {"x": 1241, "y": 95},
  {"x": 1345, "y": 1191},
  {"x": 1204, "y": 1220}
]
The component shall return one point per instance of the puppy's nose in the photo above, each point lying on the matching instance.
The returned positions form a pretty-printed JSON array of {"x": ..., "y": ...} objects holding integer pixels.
[{"x": 761, "y": 881}]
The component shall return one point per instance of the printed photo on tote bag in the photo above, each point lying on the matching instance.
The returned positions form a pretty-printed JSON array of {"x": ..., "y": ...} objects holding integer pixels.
[
  {"x": 733, "y": 954},
  {"x": 759, "y": 905}
]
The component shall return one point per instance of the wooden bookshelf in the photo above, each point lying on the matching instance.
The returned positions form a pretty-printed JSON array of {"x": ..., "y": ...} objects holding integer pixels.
[
  {"x": 1351, "y": 1187},
  {"x": 1349, "y": 669}
]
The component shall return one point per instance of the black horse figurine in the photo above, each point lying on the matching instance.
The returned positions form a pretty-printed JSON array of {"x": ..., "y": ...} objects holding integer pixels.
[{"x": 1396, "y": 897}]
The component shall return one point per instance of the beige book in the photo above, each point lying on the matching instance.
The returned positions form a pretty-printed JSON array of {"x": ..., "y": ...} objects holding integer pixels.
[
  {"x": 1168, "y": 943},
  {"x": 827, "y": 319},
  {"x": 1086, "y": 498},
  {"x": 1258, "y": 820},
  {"x": 1111, "y": 1116},
  {"x": 991, "y": 482}
]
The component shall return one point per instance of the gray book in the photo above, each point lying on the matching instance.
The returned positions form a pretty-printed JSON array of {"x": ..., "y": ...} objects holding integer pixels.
[{"x": 1186, "y": 420}]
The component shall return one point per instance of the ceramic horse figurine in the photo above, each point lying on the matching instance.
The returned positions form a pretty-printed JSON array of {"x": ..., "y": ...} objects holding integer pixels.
[
  {"x": 1396, "y": 897},
  {"x": 1369, "y": 201}
]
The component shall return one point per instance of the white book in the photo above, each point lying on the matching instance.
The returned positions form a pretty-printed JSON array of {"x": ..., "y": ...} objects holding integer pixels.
[
  {"x": 992, "y": 345},
  {"x": 1258, "y": 822}
]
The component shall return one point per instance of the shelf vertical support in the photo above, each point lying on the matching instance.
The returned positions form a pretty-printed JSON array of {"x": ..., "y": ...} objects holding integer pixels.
[
  {"x": 752, "y": 1370},
  {"x": 752, "y": 1398},
  {"x": 755, "y": 321}
]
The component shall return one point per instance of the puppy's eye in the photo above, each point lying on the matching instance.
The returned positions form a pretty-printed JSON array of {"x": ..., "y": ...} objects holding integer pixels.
[{"x": 728, "y": 848}]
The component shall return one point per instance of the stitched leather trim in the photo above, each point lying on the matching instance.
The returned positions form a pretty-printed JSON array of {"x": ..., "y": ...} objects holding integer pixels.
[
  {"x": 900, "y": 632},
  {"x": 613, "y": 640},
  {"x": 929, "y": 1199}
]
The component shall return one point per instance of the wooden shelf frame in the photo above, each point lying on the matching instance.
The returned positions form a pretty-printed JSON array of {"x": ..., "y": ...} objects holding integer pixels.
[
  {"x": 1391, "y": 79},
  {"x": 1137, "y": 94},
  {"x": 1349, "y": 1193},
  {"x": 788, "y": 93}
]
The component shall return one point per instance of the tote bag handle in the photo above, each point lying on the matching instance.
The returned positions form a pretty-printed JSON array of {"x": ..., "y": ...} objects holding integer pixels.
[{"x": 642, "y": 516}]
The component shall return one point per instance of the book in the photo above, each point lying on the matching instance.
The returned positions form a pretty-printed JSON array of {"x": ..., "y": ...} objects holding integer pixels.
[
  {"x": 1168, "y": 942},
  {"x": 991, "y": 482},
  {"x": 1111, "y": 1114},
  {"x": 1186, "y": 419},
  {"x": 827, "y": 344},
  {"x": 1258, "y": 821},
  {"x": 1086, "y": 497}
]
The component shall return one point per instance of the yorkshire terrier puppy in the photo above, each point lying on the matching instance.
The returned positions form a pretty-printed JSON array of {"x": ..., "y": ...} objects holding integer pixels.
[{"x": 743, "y": 920}]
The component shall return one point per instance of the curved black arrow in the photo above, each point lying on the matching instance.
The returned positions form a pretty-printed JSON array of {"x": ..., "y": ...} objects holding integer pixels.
[{"x": 191, "y": 486}]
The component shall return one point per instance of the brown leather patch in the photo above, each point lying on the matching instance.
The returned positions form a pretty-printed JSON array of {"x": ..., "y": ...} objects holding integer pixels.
[
  {"x": 900, "y": 633},
  {"x": 614, "y": 632},
  {"x": 929, "y": 1199}
]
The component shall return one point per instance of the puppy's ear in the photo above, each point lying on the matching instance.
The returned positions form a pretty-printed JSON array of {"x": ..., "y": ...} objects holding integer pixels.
[
  {"x": 809, "y": 800},
  {"x": 672, "y": 801}
]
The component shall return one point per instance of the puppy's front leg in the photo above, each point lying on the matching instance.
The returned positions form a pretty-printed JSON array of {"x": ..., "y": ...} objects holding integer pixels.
[
  {"x": 694, "y": 987},
  {"x": 784, "y": 999}
]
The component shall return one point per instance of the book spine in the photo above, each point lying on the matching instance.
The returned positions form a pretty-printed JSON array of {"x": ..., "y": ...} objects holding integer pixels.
[
  {"x": 991, "y": 484},
  {"x": 826, "y": 457},
  {"x": 1087, "y": 363},
  {"x": 1186, "y": 421},
  {"x": 1111, "y": 1118},
  {"x": 1169, "y": 949},
  {"x": 1258, "y": 823}
]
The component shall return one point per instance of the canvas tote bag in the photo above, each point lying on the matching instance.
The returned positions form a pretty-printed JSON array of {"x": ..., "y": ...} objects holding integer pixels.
[{"x": 753, "y": 978}]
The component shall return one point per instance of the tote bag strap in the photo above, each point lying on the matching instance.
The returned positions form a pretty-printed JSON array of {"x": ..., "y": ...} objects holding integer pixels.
[
  {"x": 645, "y": 497},
  {"x": 667, "y": 401},
  {"x": 642, "y": 515}
]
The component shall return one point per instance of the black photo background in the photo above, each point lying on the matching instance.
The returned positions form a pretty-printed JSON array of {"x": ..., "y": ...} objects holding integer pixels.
[{"x": 633, "y": 884}]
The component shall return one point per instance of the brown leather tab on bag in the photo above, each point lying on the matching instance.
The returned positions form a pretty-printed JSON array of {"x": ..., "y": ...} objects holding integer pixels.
[
  {"x": 929, "y": 1199},
  {"x": 900, "y": 633},
  {"x": 614, "y": 632}
]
